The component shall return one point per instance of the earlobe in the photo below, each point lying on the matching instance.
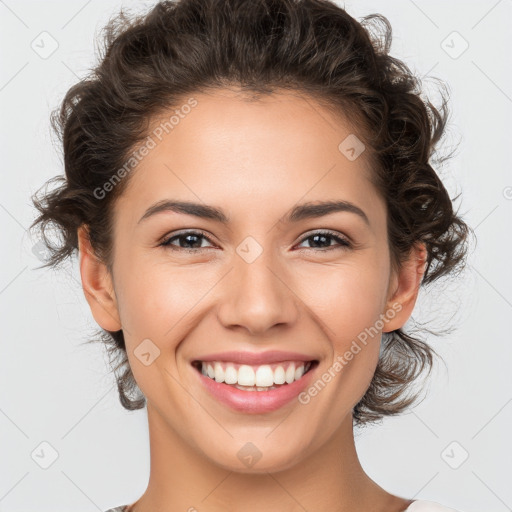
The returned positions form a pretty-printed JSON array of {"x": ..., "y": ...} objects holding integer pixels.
[
  {"x": 405, "y": 288},
  {"x": 97, "y": 285}
]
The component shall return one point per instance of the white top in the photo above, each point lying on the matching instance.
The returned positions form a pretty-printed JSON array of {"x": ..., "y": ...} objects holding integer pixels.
[
  {"x": 417, "y": 506},
  {"x": 428, "y": 506}
]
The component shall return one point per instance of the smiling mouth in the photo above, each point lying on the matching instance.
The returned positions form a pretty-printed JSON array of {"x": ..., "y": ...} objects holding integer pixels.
[{"x": 263, "y": 377}]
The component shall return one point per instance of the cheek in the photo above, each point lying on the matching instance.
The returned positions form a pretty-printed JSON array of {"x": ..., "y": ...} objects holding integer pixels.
[
  {"x": 154, "y": 299},
  {"x": 348, "y": 302},
  {"x": 348, "y": 299},
  {"x": 156, "y": 306},
  {"x": 161, "y": 301}
]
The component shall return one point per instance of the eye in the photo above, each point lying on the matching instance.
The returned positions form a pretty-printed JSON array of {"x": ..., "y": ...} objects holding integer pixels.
[
  {"x": 193, "y": 238},
  {"x": 323, "y": 237}
]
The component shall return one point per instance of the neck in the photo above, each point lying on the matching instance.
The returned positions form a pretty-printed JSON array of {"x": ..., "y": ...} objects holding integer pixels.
[{"x": 332, "y": 478}]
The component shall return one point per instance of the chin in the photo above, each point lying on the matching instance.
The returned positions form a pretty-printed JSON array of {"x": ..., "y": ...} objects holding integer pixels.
[{"x": 249, "y": 459}]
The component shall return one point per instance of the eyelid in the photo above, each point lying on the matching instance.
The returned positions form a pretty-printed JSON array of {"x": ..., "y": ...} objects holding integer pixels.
[
  {"x": 346, "y": 241},
  {"x": 324, "y": 231},
  {"x": 168, "y": 237}
]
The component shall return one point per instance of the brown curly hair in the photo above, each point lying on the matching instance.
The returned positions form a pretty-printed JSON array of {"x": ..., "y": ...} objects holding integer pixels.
[{"x": 150, "y": 62}]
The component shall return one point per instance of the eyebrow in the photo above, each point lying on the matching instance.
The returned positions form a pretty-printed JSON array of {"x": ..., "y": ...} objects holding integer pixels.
[{"x": 300, "y": 212}]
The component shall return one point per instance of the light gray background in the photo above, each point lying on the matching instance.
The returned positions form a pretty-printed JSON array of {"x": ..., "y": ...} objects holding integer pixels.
[{"x": 56, "y": 390}]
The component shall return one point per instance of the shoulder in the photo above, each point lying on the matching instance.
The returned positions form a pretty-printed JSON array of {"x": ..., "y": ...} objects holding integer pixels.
[
  {"x": 117, "y": 509},
  {"x": 428, "y": 506}
]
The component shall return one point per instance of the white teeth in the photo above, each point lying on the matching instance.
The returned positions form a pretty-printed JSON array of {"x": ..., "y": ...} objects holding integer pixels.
[
  {"x": 264, "y": 376},
  {"x": 231, "y": 375},
  {"x": 290, "y": 374},
  {"x": 254, "y": 388},
  {"x": 299, "y": 372},
  {"x": 219, "y": 372},
  {"x": 279, "y": 375},
  {"x": 246, "y": 375},
  {"x": 260, "y": 378}
]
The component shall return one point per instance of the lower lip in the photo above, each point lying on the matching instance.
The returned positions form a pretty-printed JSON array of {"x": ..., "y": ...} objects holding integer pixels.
[{"x": 255, "y": 402}]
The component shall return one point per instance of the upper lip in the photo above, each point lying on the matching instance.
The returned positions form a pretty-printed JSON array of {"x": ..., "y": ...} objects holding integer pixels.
[{"x": 255, "y": 358}]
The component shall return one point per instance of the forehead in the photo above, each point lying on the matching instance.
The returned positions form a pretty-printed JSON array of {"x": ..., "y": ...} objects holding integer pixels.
[{"x": 275, "y": 150}]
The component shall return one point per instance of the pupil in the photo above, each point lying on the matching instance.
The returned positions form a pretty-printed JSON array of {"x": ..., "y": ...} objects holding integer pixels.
[
  {"x": 324, "y": 237},
  {"x": 188, "y": 237}
]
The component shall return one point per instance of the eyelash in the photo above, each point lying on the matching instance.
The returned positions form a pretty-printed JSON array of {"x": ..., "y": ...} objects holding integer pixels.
[{"x": 343, "y": 243}]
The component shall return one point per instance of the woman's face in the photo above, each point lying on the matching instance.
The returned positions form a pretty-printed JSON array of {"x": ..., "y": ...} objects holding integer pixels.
[{"x": 256, "y": 279}]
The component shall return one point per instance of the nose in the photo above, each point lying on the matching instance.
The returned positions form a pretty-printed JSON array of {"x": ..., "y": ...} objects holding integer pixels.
[{"x": 257, "y": 296}]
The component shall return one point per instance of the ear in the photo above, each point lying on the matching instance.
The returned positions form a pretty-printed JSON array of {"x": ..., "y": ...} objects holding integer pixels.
[
  {"x": 97, "y": 285},
  {"x": 404, "y": 288}
]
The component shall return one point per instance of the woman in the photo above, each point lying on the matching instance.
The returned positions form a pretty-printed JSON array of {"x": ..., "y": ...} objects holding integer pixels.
[{"x": 249, "y": 189}]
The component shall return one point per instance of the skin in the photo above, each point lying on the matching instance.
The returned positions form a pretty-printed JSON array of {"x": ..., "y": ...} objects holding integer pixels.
[{"x": 255, "y": 160}]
